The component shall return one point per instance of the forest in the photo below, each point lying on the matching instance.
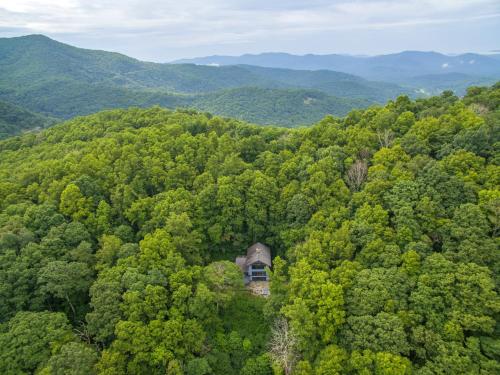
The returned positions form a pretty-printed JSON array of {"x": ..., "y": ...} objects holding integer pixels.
[
  {"x": 119, "y": 230},
  {"x": 429, "y": 71},
  {"x": 15, "y": 120},
  {"x": 62, "y": 81}
]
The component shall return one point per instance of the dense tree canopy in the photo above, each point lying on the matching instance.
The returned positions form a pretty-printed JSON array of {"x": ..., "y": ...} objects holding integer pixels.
[{"x": 118, "y": 233}]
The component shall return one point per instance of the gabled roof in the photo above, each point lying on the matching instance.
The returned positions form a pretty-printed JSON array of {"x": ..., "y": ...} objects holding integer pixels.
[{"x": 258, "y": 253}]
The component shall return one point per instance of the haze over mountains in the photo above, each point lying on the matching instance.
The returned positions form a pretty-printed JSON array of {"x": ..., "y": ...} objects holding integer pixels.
[
  {"x": 411, "y": 68},
  {"x": 61, "y": 81}
]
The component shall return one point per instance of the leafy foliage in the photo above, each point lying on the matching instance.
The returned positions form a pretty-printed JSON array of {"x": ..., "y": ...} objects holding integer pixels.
[{"x": 118, "y": 233}]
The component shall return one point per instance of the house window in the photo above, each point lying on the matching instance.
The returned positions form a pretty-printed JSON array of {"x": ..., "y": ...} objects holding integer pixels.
[{"x": 258, "y": 266}]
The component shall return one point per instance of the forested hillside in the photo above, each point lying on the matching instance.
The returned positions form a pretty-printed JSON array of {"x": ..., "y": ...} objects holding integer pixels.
[
  {"x": 430, "y": 72},
  {"x": 15, "y": 120},
  {"x": 388, "y": 66},
  {"x": 118, "y": 233},
  {"x": 330, "y": 82},
  {"x": 272, "y": 106},
  {"x": 59, "y": 80}
]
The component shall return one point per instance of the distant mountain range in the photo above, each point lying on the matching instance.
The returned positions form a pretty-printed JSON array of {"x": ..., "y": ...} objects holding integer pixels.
[
  {"x": 58, "y": 80},
  {"x": 409, "y": 68}
]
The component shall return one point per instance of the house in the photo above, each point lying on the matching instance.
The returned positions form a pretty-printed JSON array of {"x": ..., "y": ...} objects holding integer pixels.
[{"x": 254, "y": 264}]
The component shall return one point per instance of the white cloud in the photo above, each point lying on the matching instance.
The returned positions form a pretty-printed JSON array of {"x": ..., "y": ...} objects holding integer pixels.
[
  {"x": 445, "y": 65},
  {"x": 65, "y": 16},
  {"x": 207, "y": 23}
]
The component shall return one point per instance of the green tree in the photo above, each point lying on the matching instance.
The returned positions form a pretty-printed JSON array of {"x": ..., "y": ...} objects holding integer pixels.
[
  {"x": 74, "y": 358},
  {"x": 29, "y": 339},
  {"x": 65, "y": 280},
  {"x": 74, "y": 204},
  {"x": 223, "y": 278}
]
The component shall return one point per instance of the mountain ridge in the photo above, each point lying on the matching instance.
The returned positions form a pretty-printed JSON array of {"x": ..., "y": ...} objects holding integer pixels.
[
  {"x": 60, "y": 80},
  {"x": 395, "y": 67}
]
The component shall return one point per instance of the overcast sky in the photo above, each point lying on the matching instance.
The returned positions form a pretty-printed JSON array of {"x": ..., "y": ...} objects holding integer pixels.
[{"x": 163, "y": 30}]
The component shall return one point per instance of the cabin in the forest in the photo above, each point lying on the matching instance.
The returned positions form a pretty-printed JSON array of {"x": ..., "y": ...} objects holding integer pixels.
[{"x": 254, "y": 264}]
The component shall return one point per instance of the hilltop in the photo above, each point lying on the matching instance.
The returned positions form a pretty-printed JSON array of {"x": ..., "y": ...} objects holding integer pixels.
[{"x": 60, "y": 80}]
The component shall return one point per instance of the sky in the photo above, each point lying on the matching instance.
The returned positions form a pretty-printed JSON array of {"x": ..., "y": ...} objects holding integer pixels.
[{"x": 165, "y": 30}]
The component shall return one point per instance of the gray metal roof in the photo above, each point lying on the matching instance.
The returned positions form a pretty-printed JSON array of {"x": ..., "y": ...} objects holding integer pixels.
[{"x": 258, "y": 253}]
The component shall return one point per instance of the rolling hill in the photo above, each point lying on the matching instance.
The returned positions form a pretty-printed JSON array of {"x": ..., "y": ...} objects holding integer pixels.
[
  {"x": 59, "y": 80},
  {"x": 331, "y": 82},
  {"x": 433, "y": 84},
  {"x": 15, "y": 120},
  {"x": 271, "y": 106},
  {"x": 403, "y": 68}
]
